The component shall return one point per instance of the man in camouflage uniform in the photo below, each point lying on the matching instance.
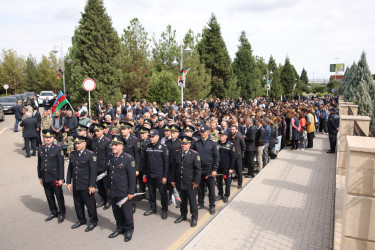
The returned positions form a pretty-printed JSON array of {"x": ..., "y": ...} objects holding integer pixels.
[
  {"x": 214, "y": 133},
  {"x": 46, "y": 121},
  {"x": 116, "y": 126},
  {"x": 67, "y": 144}
]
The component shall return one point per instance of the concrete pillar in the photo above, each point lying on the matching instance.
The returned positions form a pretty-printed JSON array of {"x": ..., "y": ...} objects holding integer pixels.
[{"x": 359, "y": 202}]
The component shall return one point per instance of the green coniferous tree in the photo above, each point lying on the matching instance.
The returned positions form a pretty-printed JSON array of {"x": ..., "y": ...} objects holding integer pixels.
[
  {"x": 31, "y": 73},
  {"x": 350, "y": 84},
  {"x": 243, "y": 66},
  {"x": 343, "y": 82},
  {"x": 276, "y": 87},
  {"x": 288, "y": 77},
  {"x": 96, "y": 54},
  {"x": 214, "y": 54},
  {"x": 363, "y": 75},
  {"x": 163, "y": 87},
  {"x": 363, "y": 100}
]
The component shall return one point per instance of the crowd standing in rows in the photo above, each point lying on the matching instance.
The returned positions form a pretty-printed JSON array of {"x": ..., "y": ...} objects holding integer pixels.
[{"x": 124, "y": 148}]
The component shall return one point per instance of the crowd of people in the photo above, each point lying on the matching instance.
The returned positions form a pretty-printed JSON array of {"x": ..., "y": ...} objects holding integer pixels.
[{"x": 180, "y": 150}]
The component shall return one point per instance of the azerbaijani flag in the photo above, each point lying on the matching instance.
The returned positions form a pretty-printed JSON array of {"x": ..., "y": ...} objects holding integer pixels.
[{"x": 60, "y": 102}]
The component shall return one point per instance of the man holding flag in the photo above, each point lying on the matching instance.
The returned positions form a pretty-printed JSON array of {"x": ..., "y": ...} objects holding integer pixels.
[{"x": 60, "y": 102}]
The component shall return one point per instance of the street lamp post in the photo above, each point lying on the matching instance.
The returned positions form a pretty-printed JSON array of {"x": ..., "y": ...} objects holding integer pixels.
[
  {"x": 175, "y": 63},
  {"x": 268, "y": 84},
  {"x": 55, "y": 50}
]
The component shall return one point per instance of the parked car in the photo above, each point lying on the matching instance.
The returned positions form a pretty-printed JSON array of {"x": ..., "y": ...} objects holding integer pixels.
[
  {"x": 42, "y": 96},
  {"x": 19, "y": 97},
  {"x": 30, "y": 95},
  {"x": 25, "y": 98},
  {"x": 2, "y": 115},
  {"x": 8, "y": 103}
]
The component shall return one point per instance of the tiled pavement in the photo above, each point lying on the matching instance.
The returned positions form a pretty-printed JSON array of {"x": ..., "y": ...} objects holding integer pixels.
[{"x": 289, "y": 205}]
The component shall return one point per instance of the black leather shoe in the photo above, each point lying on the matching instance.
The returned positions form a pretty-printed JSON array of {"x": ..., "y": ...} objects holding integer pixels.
[
  {"x": 107, "y": 205},
  {"x": 179, "y": 219},
  {"x": 330, "y": 152},
  {"x": 164, "y": 215},
  {"x": 219, "y": 198},
  {"x": 239, "y": 186},
  {"x": 78, "y": 224},
  {"x": 200, "y": 206},
  {"x": 61, "y": 218},
  {"x": 149, "y": 212},
  {"x": 128, "y": 237},
  {"x": 33, "y": 154},
  {"x": 114, "y": 234},
  {"x": 134, "y": 209},
  {"x": 226, "y": 199},
  {"x": 51, "y": 217},
  {"x": 23, "y": 148},
  {"x": 27, "y": 156},
  {"x": 101, "y": 203},
  {"x": 90, "y": 227},
  {"x": 249, "y": 176},
  {"x": 212, "y": 210},
  {"x": 193, "y": 222}
]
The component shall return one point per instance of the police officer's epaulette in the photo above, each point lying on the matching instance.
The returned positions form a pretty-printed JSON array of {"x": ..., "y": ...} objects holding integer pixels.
[
  {"x": 195, "y": 152},
  {"x": 126, "y": 154},
  {"x": 178, "y": 150},
  {"x": 106, "y": 138},
  {"x": 212, "y": 140},
  {"x": 89, "y": 151}
]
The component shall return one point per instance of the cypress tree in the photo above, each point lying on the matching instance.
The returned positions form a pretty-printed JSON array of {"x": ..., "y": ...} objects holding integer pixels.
[
  {"x": 96, "y": 54},
  {"x": 214, "y": 54},
  {"x": 350, "y": 85},
  {"x": 276, "y": 87},
  {"x": 243, "y": 67},
  {"x": 163, "y": 87},
  {"x": 288, "y": 77}
]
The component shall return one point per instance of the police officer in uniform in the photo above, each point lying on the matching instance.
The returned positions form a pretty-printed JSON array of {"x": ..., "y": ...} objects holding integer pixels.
[
  {"x": 209, "y": 154},
  {"x": 156, "y": 166},
  {"x": 121, "y": 182},
  {"x": 51, "y": 174},
  {"x": 186, "y": 175},
  {"x": 82, "y": 131},
  {"x": 226, "y": 165},
  {"x": 132, "y": 147},
  {"x": 144, "y": 141},
  {"x": 107, "y": 131},
  {"x": 82, "y": 169},
  {"x": 100, "y": 146},
  {"x": 173, "y": 144},
  {"x": 333, "y": 129},
  {"x": 196, "y": 134}
]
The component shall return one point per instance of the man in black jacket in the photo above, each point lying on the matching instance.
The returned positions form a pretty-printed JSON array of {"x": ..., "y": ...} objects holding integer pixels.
[
  {"x": 240, "y": 147},
  {"x": 333, "y": 128},
  {"x": 185, "y": 176},
  {"x": 156, "y": 166},
  {"x": 82, "y": 170},
  {"x": 38, "y": 117},
  {"x": 51, "y": 174},
  {"x": 250, "y": 138},
  {"x": 209, "y": 155},
  {"x": 71, "y": 123},
  {"x": 30, "y": 129},
  {"x": 259, "y": 142},
  {"x": 18, "y": 114}
]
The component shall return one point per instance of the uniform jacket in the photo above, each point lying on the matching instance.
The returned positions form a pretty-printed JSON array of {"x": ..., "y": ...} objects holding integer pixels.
[
  {"x": 121, "y": 175},
  {"x": 143, "y": 143},
  {"x": 50, "y": 163},
  {"x": 156, "y": 161},
  {"x": 133, "y": 148},
  {"x": 186, "y": 171},
  {"x": 82, "y": 169},
  {"x": 46, "y": 122},
  {"x": 227, "y": 155},
  {"x": 101, "y": 148},
  {"x": 29, "y": 125},
  {"x": 172, "y": 147},
  {"x": 333, "y": 123},
  {"x": 209, "y": 154},
  {"x": 250, "y": 138}
]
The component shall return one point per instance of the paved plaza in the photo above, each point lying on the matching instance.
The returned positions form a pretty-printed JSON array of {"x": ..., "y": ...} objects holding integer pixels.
[{"x": 289, "y": 205}]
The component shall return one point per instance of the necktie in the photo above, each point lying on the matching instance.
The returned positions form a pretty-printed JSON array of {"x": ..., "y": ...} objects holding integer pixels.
[
  {"x": 183, "y": 155},
  {"x": 47, "y": 149}
]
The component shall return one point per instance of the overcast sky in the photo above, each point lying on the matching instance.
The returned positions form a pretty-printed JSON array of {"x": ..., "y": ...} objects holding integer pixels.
[{"x": 311, "y": 33}]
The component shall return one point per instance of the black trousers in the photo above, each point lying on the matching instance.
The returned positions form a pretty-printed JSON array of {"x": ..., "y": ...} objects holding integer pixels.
[
  {"x": 249, "y": 161},
  {"x": 51, "y": 192},
  {"x": 210, "y": 182},
  {"x": 123, "y": 216},
  {"x": 238, "y": 169},
  {"x": 310, "y": 140},
  {"x": 33, "y": 144},
  {"x": 332, "y": 141},
  {"x": 227, "y": 181},
  {"x": 82, "y": 198},
  {"x": 103, "y": 189},
  {"x": 191, "y": 196},
  {"x": 153, "y": 184}
]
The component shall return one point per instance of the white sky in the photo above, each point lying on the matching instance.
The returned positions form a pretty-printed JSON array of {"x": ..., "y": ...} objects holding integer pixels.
[{"x": 311, "y": 33}]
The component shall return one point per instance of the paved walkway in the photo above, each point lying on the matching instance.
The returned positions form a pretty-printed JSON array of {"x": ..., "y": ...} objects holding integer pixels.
[{"x": 289, "y": 205}]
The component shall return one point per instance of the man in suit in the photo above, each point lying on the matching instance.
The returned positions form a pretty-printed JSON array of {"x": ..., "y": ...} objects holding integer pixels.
[
  {"x": 71, "y": 123},
  {"x": 51, "y": 174},
  {"x": 98, "y": 108},
  {"x": 240, "y": 147},
  {"x": 38, "y": 117},
  {"x": 18, "y": 114},
  {"x": 47, "y": 103},
  {"x": 185, "y": 176},
  {"x": 259, "y": 142},
  {"x": 82, "y": 170},
  {"x": 250, "y": 137},
  {"x": 34, "y": 101},
  {"x": 119, "y": 114},
  {"x": 30, "y": 128},
  {"x": 111, "y": 111}
]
